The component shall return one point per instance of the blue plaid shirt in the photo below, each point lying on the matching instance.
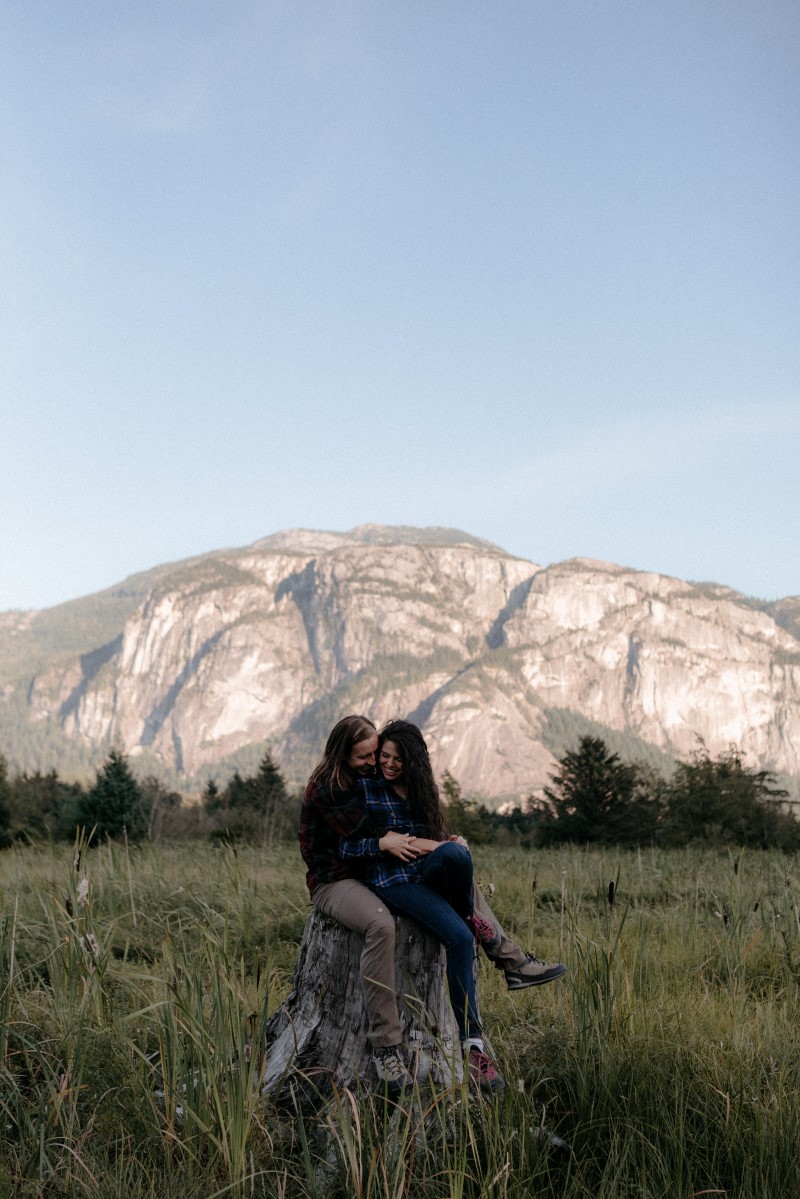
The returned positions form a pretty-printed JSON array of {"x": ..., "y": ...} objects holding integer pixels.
[{"x": 388, "y": 812}]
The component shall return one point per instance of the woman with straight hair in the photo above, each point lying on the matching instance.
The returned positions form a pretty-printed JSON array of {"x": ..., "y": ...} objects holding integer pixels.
[{"x": 331, "y": 811}]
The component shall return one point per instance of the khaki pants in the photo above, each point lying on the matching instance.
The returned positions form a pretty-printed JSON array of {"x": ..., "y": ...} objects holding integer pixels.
[
  {"x": 358, "y": 908},
  {"x": 508, "y": 955}
]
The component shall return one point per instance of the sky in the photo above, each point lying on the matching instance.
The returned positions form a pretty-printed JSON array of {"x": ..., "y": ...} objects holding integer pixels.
[{"x": 526, "y": 268}]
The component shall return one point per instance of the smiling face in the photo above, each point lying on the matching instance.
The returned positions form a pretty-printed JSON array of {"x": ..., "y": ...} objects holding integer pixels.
[
  {"x": 391, "y": 762},
  {"x": 362, "y": 757}
]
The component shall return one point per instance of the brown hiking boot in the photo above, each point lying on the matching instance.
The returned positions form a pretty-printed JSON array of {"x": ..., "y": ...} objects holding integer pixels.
[{"x": 532, "y": 972}]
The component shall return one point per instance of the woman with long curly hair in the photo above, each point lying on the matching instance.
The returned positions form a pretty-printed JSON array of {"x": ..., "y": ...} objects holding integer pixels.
[{"x": 426, "y": 875}]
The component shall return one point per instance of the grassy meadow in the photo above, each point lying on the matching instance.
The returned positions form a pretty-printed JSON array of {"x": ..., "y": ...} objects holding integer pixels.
[{"x": 134, "y": 986}]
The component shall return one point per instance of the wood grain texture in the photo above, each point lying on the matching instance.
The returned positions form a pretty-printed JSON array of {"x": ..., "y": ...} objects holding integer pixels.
[{"x": 320, "y": 1031}]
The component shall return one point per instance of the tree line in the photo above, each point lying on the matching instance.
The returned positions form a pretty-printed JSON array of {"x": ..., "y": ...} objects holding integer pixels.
[
  {"x": 258, "y": 809},
  {"x": 594, "y": 796}
]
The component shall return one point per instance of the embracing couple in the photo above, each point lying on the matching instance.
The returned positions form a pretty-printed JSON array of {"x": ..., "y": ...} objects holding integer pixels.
[{"x": 374, "y": 838}]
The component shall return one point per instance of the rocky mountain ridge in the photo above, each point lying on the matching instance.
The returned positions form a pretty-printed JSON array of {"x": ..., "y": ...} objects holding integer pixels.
[{"x": 196, "y": 662}]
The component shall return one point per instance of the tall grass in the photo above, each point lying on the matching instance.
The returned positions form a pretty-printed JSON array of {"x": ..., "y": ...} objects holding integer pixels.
[{"x": 135, "y": 988}]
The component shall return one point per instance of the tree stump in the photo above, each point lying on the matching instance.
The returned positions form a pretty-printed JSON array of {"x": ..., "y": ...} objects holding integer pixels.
[{"x": 318, "y": 1036}]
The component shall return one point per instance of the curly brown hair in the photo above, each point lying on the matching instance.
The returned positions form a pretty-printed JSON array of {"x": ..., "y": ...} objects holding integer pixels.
[{"x": 423, "y": 794}]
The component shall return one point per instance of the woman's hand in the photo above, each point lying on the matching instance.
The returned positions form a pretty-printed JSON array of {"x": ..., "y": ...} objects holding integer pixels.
[
  {"x": 460, "y": 841},
  {"x": 400, "y": 845}
]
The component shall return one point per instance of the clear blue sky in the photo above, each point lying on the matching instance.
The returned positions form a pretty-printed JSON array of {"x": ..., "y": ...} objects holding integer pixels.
[{"x": 527, "y": 268}]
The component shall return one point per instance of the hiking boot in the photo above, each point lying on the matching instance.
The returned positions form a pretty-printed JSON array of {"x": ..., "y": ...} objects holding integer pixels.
[
  {"x": 484, "y": 1073},
  {"x": 485, "y": 933},
  {"x": 391, "y": 1069},
  {"x": 532, "y": 972}
]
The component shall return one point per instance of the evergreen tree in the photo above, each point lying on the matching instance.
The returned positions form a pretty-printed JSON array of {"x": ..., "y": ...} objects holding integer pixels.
[
  {"x": 268, "y": 791},
  {"x": 597, "y": 797},
  {"x": 115, "y": 804},
  {"x": 270, "y": 799},
  {"x": 254, "y": 809},
  {"x": 42, "y": 805},
  {"x": 237, "y": 792},
  {"x": 212, "y": 798},
  {"x": 719, "y": 800}
]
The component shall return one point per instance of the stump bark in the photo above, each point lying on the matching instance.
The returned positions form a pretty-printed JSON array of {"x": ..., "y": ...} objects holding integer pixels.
[{"x": 318, "y": 1036}]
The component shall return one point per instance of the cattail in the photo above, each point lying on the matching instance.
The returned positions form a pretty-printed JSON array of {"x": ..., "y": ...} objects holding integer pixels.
[
  {"x": 534, "y": 885},
  {"x": 612, "y": 893},
  {"x": 92, "y": 946},
  {"x": 68, "y": 906},
  {"x": 735, "y": 865},
  {"x": 83, "y": 893}
]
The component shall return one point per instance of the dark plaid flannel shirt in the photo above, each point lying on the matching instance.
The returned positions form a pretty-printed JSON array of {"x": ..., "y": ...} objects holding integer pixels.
[
  {"x": 328, "y": 815},
  {"x": 387, "y": 811}
]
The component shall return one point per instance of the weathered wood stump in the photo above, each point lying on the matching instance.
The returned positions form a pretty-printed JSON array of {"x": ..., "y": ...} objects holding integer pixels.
[{"x": 318, "y": 1037}]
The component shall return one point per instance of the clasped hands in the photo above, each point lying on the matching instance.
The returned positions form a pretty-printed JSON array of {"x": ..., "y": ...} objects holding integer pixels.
[{"x": 406, "y": 848}]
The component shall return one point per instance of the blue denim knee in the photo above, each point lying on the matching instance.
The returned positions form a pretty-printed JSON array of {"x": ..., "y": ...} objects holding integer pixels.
[{"x": 448, "y": 870}]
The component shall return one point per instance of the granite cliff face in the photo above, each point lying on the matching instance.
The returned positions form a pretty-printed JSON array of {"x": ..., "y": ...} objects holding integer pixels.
[{"x": 275, "y": 641}]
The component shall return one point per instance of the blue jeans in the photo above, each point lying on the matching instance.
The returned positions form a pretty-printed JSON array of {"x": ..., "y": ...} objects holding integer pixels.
[{"x": 440, "y": 903}]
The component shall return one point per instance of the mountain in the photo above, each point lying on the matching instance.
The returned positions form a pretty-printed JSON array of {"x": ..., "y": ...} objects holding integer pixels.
[{"x": 195, "y": 665}]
